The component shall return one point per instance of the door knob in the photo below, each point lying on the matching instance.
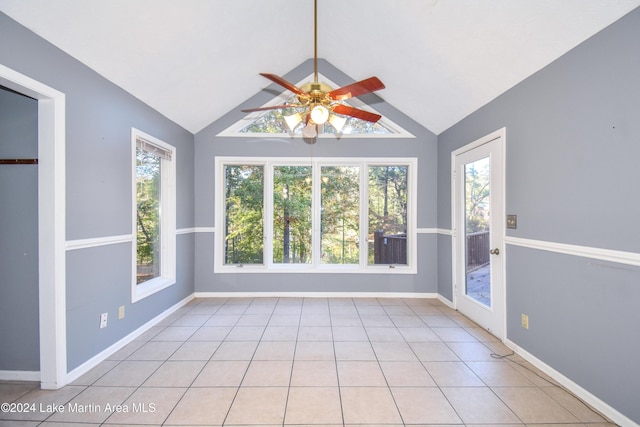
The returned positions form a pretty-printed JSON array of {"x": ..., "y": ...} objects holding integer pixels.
[{"x": 495, "y": 251}]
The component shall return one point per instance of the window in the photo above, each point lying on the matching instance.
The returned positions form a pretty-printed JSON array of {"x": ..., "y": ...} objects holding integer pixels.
[
  {"x": 388, "y": 187},
  {"x": 244, "y": 207},
  {"x": 292, "y": 224},
  {"x": 154, "y": 252},
  {"x": 340, "y": 214},
  {"x": 316, "y": 215}
]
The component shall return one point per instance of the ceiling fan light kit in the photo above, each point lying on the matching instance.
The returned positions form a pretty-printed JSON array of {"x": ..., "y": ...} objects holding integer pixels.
[
  {"x": 318, "y": 102},
  {"x": 337, "y": 122},
  {"x": 293, "y": 120},
  {"x": 319, "y": 114}
]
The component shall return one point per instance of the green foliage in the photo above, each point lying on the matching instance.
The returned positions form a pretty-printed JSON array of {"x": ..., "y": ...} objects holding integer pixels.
[
  {"x": 292, "y": 214},
  {"x": 388, "y": 188},
  {"x": 270, "y": 122},
  {"x": 292, "y": 219},
  {"x": 244, "y": 210},
  {"x": 340, "y": 218},
  {"x": 477, "y": 192},
  {"x": 148, "y": 173}
]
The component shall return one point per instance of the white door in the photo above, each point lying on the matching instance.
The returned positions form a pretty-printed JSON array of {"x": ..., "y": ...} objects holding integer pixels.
[{"x": 478, "y": 221}]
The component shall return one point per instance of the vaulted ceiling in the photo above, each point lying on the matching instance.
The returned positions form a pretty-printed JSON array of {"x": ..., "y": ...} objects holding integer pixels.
[{"x": 194, "y": 60}]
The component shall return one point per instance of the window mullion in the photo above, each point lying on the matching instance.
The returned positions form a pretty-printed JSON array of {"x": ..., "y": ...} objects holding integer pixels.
[
  {"x": 268, "y": 215},
  {"x": 364, "y": 214},
  {"x": 169, "y": 214},
  {"x": 316, "y": 206}
]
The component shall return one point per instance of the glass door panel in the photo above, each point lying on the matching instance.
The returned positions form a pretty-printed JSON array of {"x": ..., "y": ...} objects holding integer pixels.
[
  {"x": 478, "y": 213},
  {"x": 477, "y": 187}
]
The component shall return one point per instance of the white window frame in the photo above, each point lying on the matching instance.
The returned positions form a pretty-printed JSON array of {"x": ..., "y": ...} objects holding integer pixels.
[
  {"x": 167, "y": 220},
  {"x": 315, "y": 266}
]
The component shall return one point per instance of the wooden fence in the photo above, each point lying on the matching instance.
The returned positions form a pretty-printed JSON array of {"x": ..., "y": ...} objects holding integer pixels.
[
  {"x": 390, "y": 248},
  {"x": 477, "y": 250}
]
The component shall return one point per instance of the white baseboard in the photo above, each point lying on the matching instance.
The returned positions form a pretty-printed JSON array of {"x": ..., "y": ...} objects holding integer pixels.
[
  {"x": 601, "y": 406},
  {"x": 103, "y": 355},
  {"x": 20, "y": 376},
  {"x": 315, "y": 295}
]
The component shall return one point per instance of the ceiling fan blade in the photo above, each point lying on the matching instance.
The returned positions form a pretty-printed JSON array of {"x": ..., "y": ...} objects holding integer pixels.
[
  {"x": 285, "y": 84},
  {"x": 356, "y": 89},
  {"x": 271, "y": 107},
  {"x": 354, "y": 112}
]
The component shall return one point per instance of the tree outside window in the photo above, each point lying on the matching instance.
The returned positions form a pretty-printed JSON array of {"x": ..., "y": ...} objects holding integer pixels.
[
  {"x": 388, "y": 188},
  {"x": 148, "y": 182},
  {"x": 310, "y": 214},
  {"x": 292, "y": 198},
  {"x": 244, "y": 210},
  {"x": 154, "y": 215},
  {"x": 340, "y": 215}
]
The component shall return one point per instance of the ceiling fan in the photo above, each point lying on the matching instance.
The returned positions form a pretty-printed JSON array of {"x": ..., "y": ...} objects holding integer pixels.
[{"x": 318, "y": 102}]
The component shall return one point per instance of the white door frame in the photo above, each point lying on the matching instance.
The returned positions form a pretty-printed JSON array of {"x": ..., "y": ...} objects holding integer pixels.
[
  {"x": 455, "y": 255},
  {"x": 51, "y": 225}
]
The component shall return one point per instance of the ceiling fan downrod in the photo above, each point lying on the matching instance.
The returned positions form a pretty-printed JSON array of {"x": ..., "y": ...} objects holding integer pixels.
[
  {"x": 315, "y": 41},
  {"x": 319, "y": 100}
]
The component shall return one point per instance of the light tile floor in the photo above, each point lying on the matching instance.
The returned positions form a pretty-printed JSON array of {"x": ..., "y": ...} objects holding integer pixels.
[{"x": 306, "y": 361}]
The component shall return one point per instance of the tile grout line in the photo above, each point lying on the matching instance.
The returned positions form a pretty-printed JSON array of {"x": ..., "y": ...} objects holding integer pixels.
[
  {"x": 466, "y": 362},
  {"x": 491, "y": 388},
  {"x": 335, "y": 360},
  {"x": 155, "y": 370},
  {"x": 395, "y": 402},
  {"x": 235, "y": 396},
  {"x": 135, "y": 388},
  {"x": 293, "y": 361},
  {"x": 201, "y": 369}
]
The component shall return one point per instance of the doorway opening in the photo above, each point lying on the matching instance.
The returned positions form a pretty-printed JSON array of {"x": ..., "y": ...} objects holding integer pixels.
[
  {"x": 19, "y": 234},
  {"x": 51, "y": 224}
]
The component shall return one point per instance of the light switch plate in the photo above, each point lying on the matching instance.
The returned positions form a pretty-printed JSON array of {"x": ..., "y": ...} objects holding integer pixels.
[
  {"x": 512, "y": 221},
  {"x": 103, "y": 320}
]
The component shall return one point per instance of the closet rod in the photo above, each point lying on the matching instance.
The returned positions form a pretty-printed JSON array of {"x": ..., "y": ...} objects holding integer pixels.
[{"x": 18, "y": 161}]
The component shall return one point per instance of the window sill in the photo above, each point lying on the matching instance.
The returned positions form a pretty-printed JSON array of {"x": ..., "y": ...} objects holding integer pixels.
[
  {"x": 150, "y": 287},
  {"x": 308, "y": 269}
]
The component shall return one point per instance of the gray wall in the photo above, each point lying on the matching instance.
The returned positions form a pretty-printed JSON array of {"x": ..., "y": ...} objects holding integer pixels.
[
  {"x": 208, "y": 146},
  {"x": 572, "y": 147},
  {"x": 18, "y": 234},
  {"x": 99, "y": 117}
]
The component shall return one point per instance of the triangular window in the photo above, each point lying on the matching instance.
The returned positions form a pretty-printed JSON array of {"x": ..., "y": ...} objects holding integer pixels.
[{"x": 271, "y": 123}]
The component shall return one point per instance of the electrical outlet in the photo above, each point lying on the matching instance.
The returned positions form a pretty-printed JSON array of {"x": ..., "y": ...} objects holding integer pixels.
[
  {"x": 103, "y": 320},
  {"x": 121, "y": 312},
  {"x": 525, "y": 321}
]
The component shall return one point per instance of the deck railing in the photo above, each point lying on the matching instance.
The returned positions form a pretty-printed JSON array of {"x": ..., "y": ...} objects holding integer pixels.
[
  {"x": 392, "y": 249},
  {"x": 477, "y": 250},
  {"x": 389, "y": 248}
]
